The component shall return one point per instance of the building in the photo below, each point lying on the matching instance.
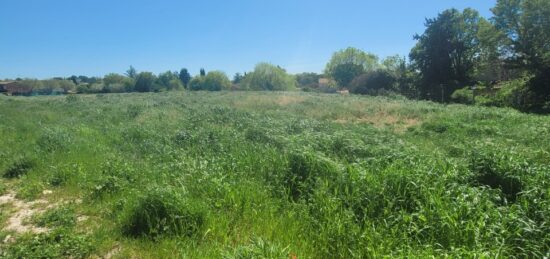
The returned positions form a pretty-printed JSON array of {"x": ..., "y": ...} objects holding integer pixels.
[{"x": 14, "y": 88}]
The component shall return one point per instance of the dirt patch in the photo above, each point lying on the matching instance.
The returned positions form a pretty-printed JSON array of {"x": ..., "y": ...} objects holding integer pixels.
[
  {"x": 112, "y": 253},
  {"x": 383, "y": 120},
  {"x": 21, "y": 212}
]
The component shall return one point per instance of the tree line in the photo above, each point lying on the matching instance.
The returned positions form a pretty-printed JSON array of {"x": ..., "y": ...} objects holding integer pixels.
[{"x": 460, "y": 57}]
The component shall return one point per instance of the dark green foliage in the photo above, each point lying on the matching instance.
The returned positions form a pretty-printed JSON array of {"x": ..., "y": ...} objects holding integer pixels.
[
  {"x": 308, "y": 80},
  {"x": 373, "y": 82},
  {"x": 492, "y": 171},
  {"x": 163, "y": 211},
  {"x": 19, "y": 168},
  {"x": 445, "y": 53},
  {"x": 131, "y": 72},
  {"x": 437, "y": 127},
  {"x": 304, "y": 172},
  {"x": 464, "y": 96},
  {"x": 184, "y": 77},
  {"x": 145, "y": 82},
  {"x": 344, "y": 74}
]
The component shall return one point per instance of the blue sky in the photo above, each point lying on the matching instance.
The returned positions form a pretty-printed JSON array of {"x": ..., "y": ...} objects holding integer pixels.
[{"x": 43, "y": 39}]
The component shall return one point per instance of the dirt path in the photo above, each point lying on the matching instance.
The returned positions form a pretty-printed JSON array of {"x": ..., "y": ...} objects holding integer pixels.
[{"x": 21, "y": 212}]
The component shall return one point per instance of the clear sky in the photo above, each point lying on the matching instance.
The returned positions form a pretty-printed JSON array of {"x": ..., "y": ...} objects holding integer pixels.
[{"x": 47, "y": 38}]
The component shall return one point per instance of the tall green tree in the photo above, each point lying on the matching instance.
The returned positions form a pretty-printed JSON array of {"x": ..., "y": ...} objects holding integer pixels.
[
  {"x": 184, "y": 77},
  {"x": 131, "y": 72},
  {"x": 213, "y": 81},
  {"x": 145, "y": 82},
  {"x": 269, "y": 77},
  {"x": 349, "y": 63},
  {"x": 446, "y": 52},
  {"x": 490, "y": 64},
  {"x": 526, "y": 24},
  {"x": 169, "y": 80}
]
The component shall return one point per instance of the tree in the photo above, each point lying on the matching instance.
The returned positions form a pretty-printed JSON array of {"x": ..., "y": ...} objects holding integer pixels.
[
  {"x": 216, "y": 81},
  {"x": 131, "y": 72},
  {"x": 308, "y": 80},
  {"x": 184, "y": 77},
  {"x": 372, "y": 82},
  {"x": 115, "y": 83},
  {"x": 346, "y": 64},
  {"x": 445, "y": 53},
  {"x": 202, "y": 72},
  {"x": 489, "y": 66},
  {"x": 165, "y": 80},
  {"x": 269, "y": 77},
  {"x": 213, "y": 81},
  {"x": 237, "y": 78},
  {"x": 145, "y": 82},
  {"x": 343, "y": 74},
  {"x": 526, "y": 25}
]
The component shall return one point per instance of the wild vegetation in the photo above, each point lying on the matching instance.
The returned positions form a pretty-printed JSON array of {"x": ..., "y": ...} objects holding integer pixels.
[
  {"x": 503, "y": 61},
  {"x": 270, "y": 175}
]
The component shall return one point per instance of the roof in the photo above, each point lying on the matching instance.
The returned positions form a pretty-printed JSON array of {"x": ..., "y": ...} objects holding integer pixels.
[{"x": 6, "y": 82}]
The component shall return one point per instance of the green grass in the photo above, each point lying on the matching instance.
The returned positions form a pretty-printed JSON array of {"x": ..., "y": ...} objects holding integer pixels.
[{"x": 275, "y": 175}]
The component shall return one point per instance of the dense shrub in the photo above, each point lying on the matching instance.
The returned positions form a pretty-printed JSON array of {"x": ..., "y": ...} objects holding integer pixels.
[
  {"x": 163, "y": 211},
  {"x": 373, "y": 82},
  {"x": 19, "y": 168},
  {"x": 464, "y": 96},
  {"x": 305, "y": 169}
]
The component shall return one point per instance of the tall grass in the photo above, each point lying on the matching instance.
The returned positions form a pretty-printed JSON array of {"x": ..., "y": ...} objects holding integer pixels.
[{"x": 277, "y": 175}]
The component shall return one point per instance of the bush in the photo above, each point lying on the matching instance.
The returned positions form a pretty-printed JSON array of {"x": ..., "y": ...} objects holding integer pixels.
[
  {"x": 305, "y": 169},
  {"x": 213, "y": 81},
  {"x": 19, "y": 168},
  {"x": 464, "y": 96},
  {"x": 162, "y": 211}
]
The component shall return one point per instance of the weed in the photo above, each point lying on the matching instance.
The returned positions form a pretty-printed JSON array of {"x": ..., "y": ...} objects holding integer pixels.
[
  {"x": 162, "y": 211},
  {"x": 258, "y": 248},
  {"x": 64, "y": 216},
  {"x": 54, "y": 244}
]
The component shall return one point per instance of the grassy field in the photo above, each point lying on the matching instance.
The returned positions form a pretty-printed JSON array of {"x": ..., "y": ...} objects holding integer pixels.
[{"x": 270, "y": 175}]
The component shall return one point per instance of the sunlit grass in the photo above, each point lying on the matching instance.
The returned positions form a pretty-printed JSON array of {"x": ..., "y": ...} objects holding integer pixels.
[{"x": 276, "y": 175}]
